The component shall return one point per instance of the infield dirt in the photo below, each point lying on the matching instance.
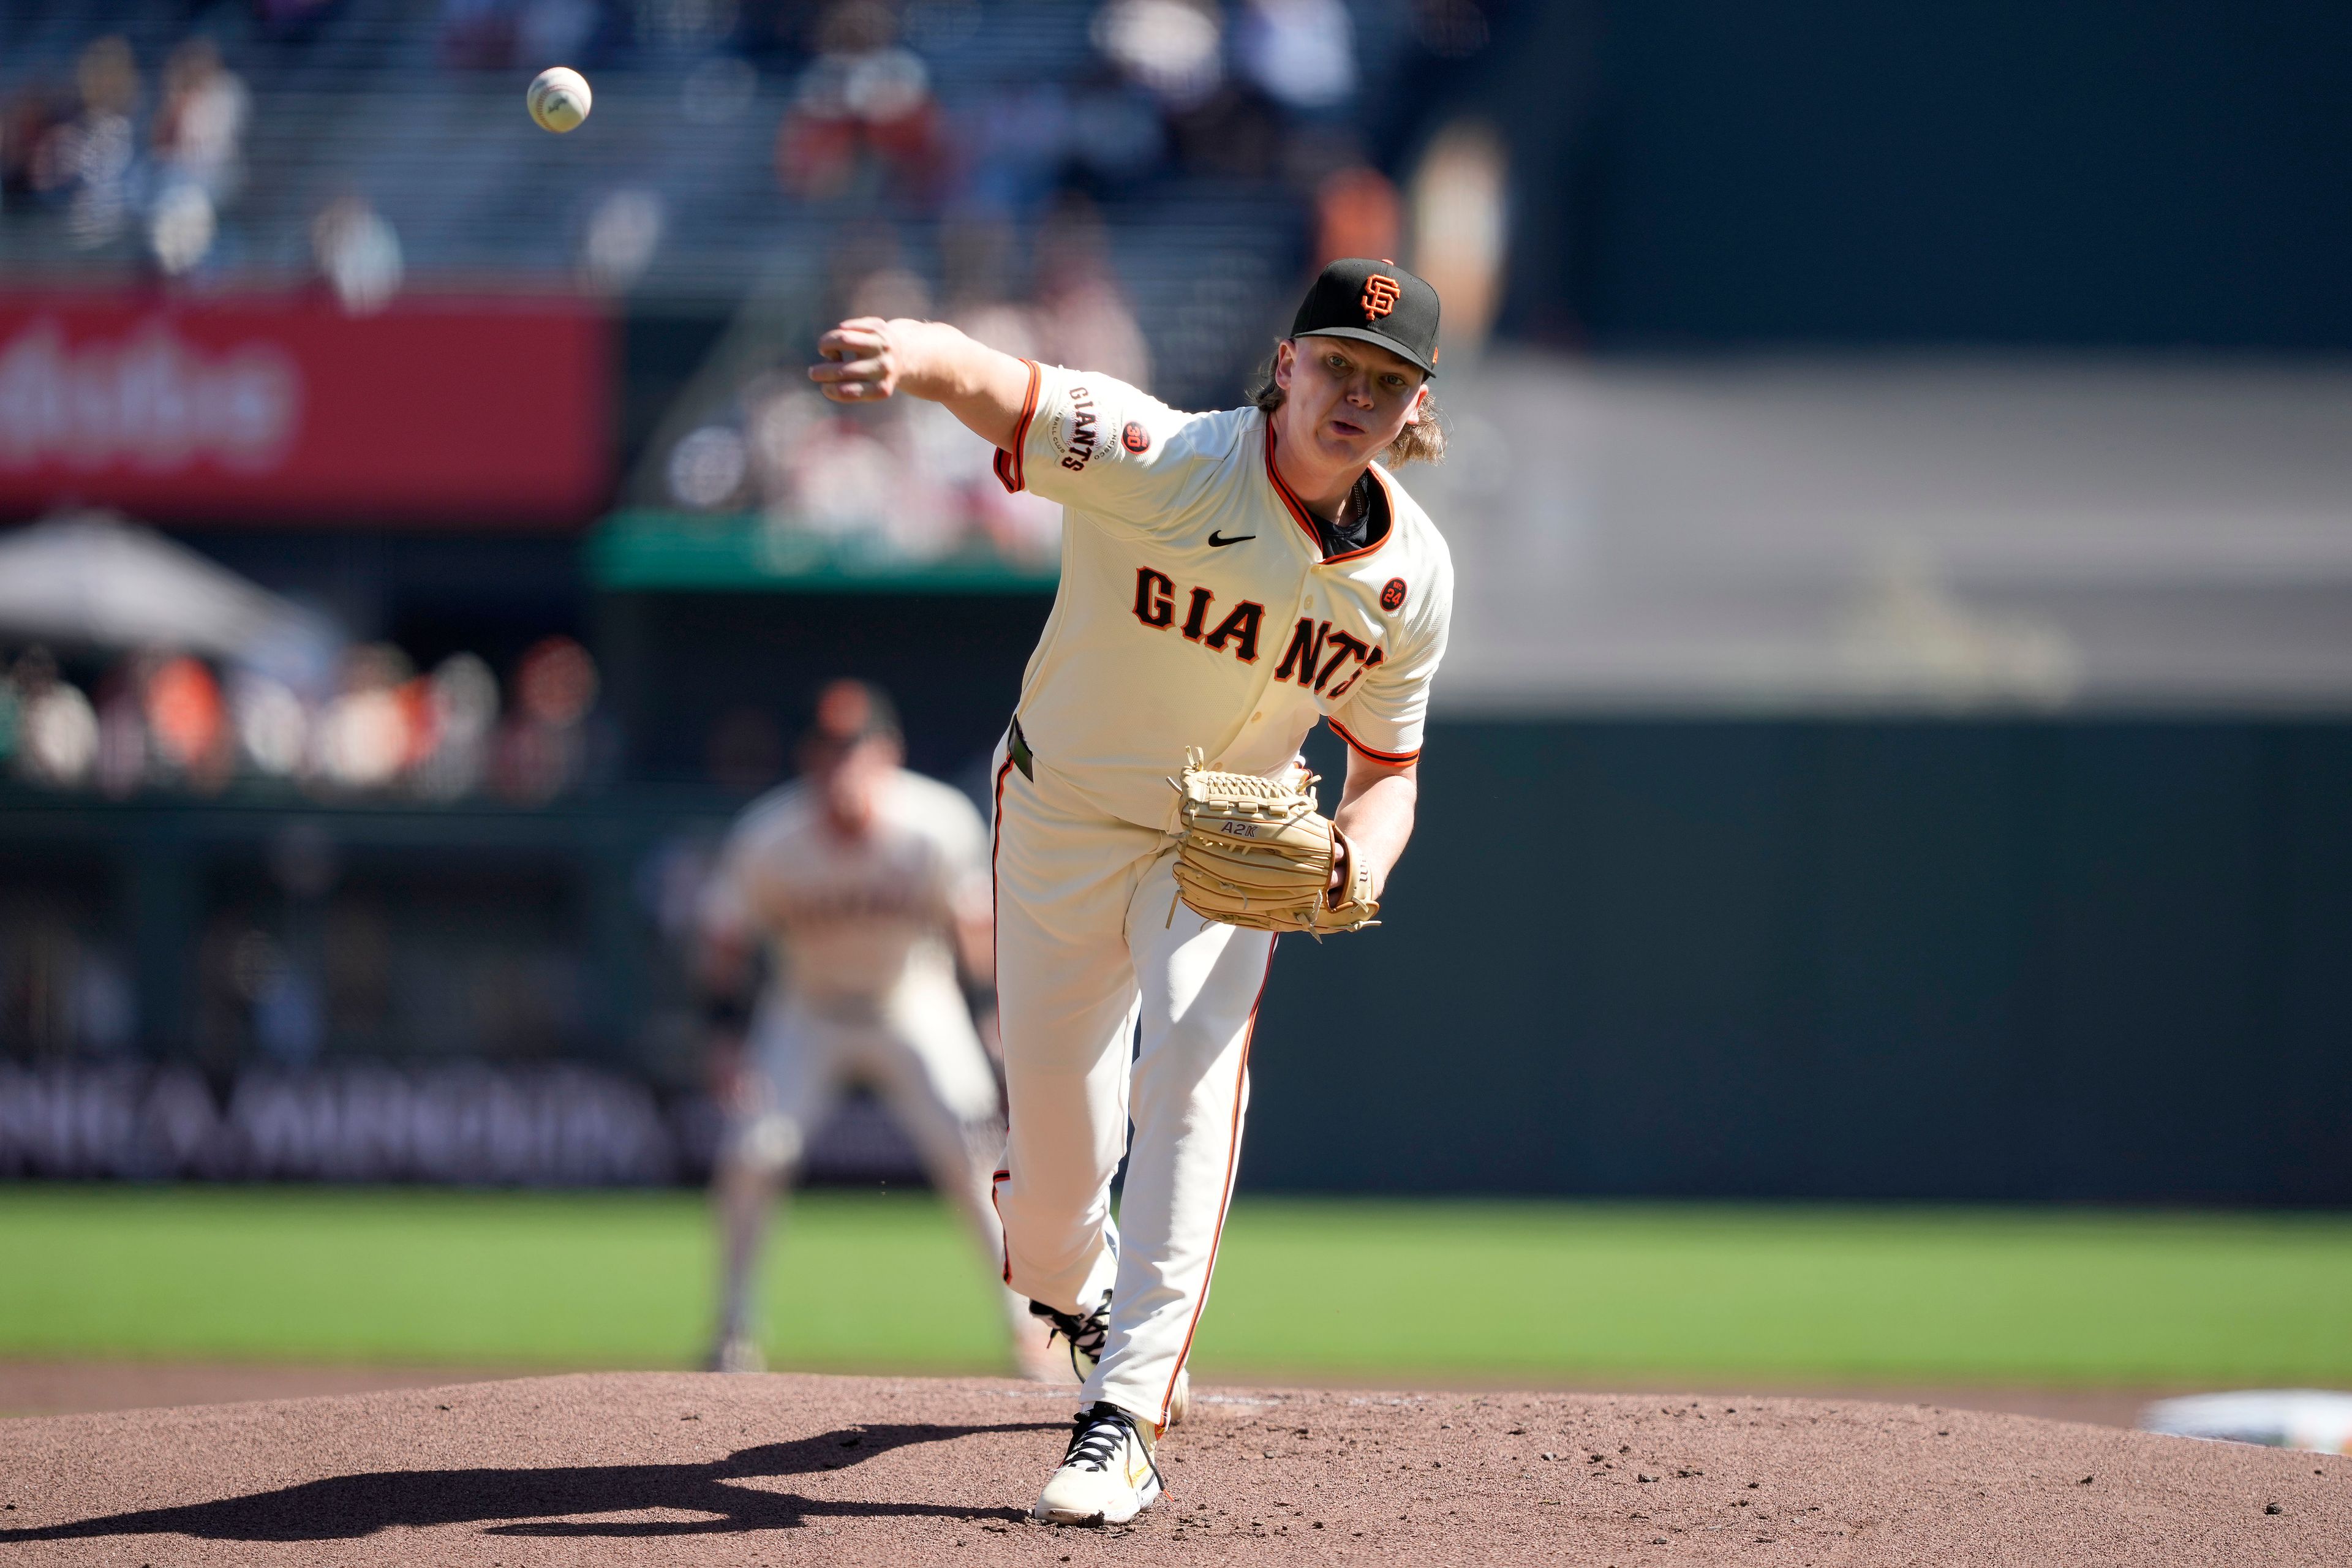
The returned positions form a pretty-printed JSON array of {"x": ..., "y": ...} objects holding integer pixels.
[{"x": 682, "y": 1468}]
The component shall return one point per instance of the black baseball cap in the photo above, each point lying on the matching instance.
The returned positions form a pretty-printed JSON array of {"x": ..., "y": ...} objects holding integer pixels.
[{"x": 1374, "y": 302}]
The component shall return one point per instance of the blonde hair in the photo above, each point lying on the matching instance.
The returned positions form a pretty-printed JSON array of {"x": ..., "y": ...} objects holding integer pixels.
[{"x": 1423, "y": 441}]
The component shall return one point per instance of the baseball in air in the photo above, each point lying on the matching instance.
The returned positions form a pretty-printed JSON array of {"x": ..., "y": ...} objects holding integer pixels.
[{"x": 559, "y": 99}]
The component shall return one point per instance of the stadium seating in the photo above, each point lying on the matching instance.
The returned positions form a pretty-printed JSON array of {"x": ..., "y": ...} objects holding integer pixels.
[{"x": 478, "y": 197}]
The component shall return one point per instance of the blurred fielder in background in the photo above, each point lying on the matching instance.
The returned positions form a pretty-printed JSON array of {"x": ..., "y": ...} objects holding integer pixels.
[{"x": 867, "y": 883}]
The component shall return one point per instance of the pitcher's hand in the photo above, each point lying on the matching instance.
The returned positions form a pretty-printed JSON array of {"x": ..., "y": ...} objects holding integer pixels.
[{"x": 861, "y": 364}]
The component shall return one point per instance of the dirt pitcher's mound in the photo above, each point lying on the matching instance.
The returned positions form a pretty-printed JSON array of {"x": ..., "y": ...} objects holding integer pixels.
[{"x": 679, "y": 1468}]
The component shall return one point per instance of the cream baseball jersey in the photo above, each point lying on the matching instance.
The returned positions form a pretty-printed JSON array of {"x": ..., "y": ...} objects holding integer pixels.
[
  {"x": 854, "y": 918},
  {"x": 1196, "y": 608}
]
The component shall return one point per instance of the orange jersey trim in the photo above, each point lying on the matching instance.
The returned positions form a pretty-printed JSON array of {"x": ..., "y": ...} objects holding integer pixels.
[
  {"x": 1395, "y": 759},
  {"x": 1298, "y": 512},
  {"x": 1008, "y": 463},
  {"x": 1306, "y": 519}
]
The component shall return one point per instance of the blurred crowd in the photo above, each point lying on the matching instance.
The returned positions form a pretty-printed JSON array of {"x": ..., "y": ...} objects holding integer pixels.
[
  {"x": 928, "y": 109},
  {"x": 904, "y": 480},
  {"x": 1245, "y": 90},
  {"x": 158, "y": 173},
  {"x": 114, "y": 161},
  {"x": 173, "y": 722},
  {"x": 876, "y": 96}
]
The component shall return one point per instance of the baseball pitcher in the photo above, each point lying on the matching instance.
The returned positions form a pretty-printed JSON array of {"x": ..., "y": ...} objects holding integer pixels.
[{"x": 1228, "y": 580}]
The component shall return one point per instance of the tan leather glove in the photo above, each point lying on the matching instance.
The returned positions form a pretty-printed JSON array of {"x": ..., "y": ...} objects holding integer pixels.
[{"x": 1255, "y": 852}]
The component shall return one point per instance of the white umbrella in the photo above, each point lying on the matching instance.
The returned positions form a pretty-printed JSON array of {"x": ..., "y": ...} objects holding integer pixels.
[{"x": 97, "y": 580}]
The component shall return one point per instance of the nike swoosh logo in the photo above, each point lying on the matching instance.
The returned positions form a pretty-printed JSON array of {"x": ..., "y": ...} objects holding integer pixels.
[{"x": 1218, "y": 542}]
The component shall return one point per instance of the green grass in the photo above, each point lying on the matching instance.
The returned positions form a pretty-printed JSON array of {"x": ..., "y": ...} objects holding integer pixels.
[{"x": 1358, "y": 1290}]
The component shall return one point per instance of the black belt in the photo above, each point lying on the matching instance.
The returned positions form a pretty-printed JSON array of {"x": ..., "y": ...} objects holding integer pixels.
[{"x": 1016, "y": 747}]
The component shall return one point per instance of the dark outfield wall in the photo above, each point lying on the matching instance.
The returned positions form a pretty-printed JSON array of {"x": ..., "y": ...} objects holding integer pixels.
[{"x": 1935, "y": 959}]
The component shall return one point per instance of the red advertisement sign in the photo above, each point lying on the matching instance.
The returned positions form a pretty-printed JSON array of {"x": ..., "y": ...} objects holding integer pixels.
[{"x": 460, "y": 411}]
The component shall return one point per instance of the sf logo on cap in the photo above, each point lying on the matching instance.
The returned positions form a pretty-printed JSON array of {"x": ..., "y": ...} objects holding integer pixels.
[{"x": 1381, "y": 293}]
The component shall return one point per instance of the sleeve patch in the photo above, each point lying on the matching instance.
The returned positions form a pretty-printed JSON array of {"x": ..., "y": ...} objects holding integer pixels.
[{"x": 1075, "y": 427}]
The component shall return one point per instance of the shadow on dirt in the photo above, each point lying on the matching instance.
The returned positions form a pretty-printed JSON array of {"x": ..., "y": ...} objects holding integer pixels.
[{"x": 345, "y": 1508}]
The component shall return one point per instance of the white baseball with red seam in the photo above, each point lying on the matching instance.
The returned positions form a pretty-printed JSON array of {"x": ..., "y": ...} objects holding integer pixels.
[{"x": 559, "y": 99}]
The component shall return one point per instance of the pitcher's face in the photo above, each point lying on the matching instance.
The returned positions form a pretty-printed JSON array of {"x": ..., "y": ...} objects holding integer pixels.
[{"x": 1345, "y": 400}]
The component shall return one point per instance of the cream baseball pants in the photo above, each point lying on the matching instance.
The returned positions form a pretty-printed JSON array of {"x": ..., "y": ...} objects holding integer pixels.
[
  {"x": 1114, "y": 1012},
  {"x": 915, "y": 1047}
]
